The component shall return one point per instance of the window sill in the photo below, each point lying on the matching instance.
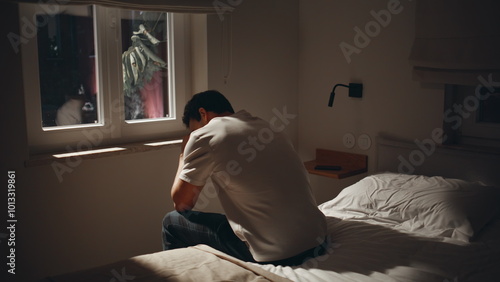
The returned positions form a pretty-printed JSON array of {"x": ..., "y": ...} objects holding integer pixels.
[{"x": 46, "y": 159}]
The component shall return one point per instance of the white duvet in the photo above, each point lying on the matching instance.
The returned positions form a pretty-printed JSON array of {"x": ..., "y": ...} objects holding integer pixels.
[{"x": 392, "y": 227}]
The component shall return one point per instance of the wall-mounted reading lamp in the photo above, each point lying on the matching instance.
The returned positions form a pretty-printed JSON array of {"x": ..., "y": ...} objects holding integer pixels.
[{"x": 355, "y": 90}]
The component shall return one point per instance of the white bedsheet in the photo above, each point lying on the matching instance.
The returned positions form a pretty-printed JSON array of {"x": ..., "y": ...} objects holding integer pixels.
[
  {"x": 376, "y": 235},
  {"x": 369, "y": 252}
]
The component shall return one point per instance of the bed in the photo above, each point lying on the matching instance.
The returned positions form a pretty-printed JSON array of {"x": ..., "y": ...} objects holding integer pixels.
[{"x": 440, "y": 223}]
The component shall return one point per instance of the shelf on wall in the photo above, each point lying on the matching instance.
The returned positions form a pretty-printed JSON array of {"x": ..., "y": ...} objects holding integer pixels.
[{"x": 351, "y": 164}]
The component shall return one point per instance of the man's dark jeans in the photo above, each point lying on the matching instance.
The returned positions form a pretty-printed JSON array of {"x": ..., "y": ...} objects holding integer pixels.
[{"x": 190, "y": 228}]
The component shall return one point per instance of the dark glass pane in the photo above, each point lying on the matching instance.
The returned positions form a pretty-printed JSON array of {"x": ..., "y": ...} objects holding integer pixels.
[
  {"x": 489, "y": 110},
  {"x": 67, "y": 67}
]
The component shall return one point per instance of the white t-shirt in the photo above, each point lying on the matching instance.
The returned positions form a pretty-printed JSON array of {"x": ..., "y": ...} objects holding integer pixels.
[{"x": 262, "y": 184}]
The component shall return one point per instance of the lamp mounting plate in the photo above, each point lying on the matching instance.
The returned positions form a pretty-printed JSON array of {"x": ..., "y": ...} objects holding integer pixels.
[{"x": 355, "y": 90}]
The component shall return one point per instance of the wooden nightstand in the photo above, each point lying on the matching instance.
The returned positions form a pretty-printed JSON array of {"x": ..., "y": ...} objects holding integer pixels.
[{"x": 350, "y": 164}]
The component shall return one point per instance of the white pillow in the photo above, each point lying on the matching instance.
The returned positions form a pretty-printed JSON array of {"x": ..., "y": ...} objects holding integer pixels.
[{"x": 429, "y": 206}]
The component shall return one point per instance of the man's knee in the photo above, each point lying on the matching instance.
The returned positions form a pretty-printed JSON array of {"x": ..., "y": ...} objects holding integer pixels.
[
  {"x": 168, "y": 233},
  {"x": 171, "y": 218}
]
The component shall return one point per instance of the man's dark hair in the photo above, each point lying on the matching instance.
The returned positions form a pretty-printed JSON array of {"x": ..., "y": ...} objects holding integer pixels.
[{"x": 211, "y": 101}]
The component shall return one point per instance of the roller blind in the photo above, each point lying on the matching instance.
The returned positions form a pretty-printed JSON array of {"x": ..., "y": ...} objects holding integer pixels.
[
  {"x": 456, "y": 41},
  {"x": 178, "y": 6}
]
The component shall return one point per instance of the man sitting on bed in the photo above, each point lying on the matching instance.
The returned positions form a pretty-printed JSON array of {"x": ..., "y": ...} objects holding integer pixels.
[{"x": 263, "y": 187}]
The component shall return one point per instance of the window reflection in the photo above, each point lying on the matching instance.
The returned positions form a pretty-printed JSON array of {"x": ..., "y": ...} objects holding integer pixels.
[{"x": 144, "y": 64}]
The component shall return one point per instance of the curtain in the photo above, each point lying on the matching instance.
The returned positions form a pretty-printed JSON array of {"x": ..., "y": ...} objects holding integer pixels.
[
  {"x": 456, "y": 41},
  {"x": 178, "y": 6}
]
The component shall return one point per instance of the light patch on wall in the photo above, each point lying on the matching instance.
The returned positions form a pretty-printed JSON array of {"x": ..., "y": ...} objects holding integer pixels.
[
  {"x": 162, "y": 143},
  {"x": 89, "y": 152}
]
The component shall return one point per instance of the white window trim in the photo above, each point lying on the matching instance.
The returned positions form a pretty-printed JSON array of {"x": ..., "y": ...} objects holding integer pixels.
[{"x": 113, "y": 129}]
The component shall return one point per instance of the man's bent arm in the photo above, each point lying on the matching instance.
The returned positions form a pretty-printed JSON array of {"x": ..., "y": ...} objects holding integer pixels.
[{"x": 184, "y": 194}]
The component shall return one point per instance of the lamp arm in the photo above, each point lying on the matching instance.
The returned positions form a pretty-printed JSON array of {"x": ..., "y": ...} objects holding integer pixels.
[
  {"x": 343, "y": 85},
  {"x": 332, "y": 95}
]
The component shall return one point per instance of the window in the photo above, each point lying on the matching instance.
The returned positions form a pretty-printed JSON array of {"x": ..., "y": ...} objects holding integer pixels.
[
  {"x": 102, "y": 75},
  {"x": 472, "y": 115}
]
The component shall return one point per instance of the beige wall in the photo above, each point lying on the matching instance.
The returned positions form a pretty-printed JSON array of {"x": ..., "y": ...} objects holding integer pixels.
[
  {"x": 392, "y": 103},
  {"x": 264, "y": 73}
]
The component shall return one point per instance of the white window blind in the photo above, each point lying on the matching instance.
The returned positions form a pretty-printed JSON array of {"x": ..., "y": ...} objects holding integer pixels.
[
  {"x": 177, "y": 6},
  {"x": 456, "y": 41}
]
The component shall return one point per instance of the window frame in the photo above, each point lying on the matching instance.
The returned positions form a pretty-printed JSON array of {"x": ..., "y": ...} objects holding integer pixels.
[{"x": 112, "y": 127}]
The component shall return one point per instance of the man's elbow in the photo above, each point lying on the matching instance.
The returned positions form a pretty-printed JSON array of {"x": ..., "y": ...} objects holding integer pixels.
[
  {"x": 184, "y": 195},
  {"x": 181, "y": 207},
  {"x": 181, "y": 203}
]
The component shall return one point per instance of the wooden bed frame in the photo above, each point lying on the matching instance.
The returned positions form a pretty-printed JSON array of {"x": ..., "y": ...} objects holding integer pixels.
[{"x": 427, "y": 158}]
